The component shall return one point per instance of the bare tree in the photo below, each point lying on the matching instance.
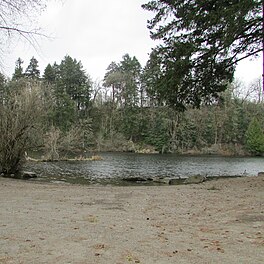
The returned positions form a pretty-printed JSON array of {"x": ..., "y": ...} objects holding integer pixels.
[
  {"x": 20, "y": 111},
  {"x": 252, "y": 92},
  {"x": 257, "y": 91},
  {"x": 18, "y": 18},
  {"x": 52, "y": 143},
  {"x": 73, "y": 140}
]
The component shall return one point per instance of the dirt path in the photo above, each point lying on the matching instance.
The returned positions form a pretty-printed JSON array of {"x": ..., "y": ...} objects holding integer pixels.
[{"x": 218, "y": 221}]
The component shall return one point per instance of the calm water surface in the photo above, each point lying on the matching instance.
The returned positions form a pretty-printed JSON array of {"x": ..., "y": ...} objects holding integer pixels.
[{"x": 116, "y": 166}]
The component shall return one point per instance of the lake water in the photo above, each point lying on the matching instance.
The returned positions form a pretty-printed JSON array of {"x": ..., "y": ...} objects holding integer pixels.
[{"x": 116, "y": 166}]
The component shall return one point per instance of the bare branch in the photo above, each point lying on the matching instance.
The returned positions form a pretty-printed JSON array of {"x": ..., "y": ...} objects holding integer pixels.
[{"x": 18, "y": 18}]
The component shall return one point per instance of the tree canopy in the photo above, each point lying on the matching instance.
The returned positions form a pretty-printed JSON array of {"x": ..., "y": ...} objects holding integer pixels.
[
  {"x": 18, "y": 70},
  {"x": 124, "y": 114},
  {"x": 123, "y": 78},
  {"x": 32, "y": 70},
  {"x": 202, "y": 41},
  {"x": 71, "y": 88}
]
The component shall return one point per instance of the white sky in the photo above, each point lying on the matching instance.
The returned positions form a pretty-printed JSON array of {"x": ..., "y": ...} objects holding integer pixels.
[{"x": 97, "y": 33}]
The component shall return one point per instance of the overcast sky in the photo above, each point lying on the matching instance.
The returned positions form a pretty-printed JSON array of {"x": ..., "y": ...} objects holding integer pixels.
[{"x": 97, "y": 33}]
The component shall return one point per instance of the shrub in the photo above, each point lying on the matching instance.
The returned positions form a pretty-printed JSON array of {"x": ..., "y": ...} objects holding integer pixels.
[{"x": 20, "y": 111}]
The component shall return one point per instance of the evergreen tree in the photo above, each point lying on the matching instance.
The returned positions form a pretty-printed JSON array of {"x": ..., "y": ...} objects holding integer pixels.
[
  {"x": 131, "y": 70},
  {"x": 255, "y": 137},
  {"x": 202, "y": 42},
  {"x": 76, "y": 82},
  {"x": 18, "y": 70},
  {"x": 152, "y": 79},
  {"x": 113, "y": 79},
  {"x": 71, "y": 92},
  {"x": 49, "y": 75},
  {"x": 64, "y": 111},
  {"x": 124, "y": 80},
  {"x": 32, "y": 71}
]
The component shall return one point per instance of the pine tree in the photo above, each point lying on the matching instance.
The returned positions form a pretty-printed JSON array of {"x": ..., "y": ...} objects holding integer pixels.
[
  {"x": 201, "y": 43},
  {"x": 255, "y": 137},
  {"x": 32, "y": 71},
  {"x": 18, "y": 74},
  {"x": 75, "y": 81},
  {"x": 124, "y": 80},
  {"x": 49, "y": 74}
]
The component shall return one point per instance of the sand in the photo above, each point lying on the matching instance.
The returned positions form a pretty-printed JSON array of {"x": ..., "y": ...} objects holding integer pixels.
[{"x": 220, "y": 221}]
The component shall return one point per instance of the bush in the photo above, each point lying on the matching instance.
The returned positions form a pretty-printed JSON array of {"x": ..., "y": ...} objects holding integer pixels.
[{"x": 20, "y": 110}]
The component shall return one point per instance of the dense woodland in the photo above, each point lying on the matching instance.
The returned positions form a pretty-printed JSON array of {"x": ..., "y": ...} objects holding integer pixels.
[
  {"x": 122, "y": 113},
  {"x": 184, "y": 100}
]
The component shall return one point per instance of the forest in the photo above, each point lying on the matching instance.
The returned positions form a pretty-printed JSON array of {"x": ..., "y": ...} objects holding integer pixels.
[{"x": 122, "y": 113}]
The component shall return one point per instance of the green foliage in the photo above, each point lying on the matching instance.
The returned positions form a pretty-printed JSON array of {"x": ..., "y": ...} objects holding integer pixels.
[
  {"x": 123, "y": 79},
  {"x": 75, "y": 82},
  {"x": 151, "y": 79},
  {"x": 129, "y": 112},
  {"x": 18, "y": 74},
  {"x": 201, "y": 43},
  {"x": 50, "y": 74},
  {"x": 63, "y": 111},
  {"x": 131, "y": 123},
  {"x": 157, "y": 129},
  {"x": 255, "y": 137},
  {"x": 71, "y": 92},
  {"x": 32, "y": 71}
]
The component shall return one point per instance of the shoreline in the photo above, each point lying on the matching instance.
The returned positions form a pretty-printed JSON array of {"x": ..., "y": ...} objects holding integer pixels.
[{"x": 219, "y": 221}]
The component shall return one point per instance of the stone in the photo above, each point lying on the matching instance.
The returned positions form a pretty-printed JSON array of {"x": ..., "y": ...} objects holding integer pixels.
[
  {"x": 195, "y": 179},
  {"x": 164, "y": 181},
  {"x": 161, "y": 180},
  {"x": 261, "y": 174},
  {"x": 135, "y": 179},
  {"x": 169, "y": 181},
  {"x": 28, "y": 175},
  {"x": 176, "y": 181}
]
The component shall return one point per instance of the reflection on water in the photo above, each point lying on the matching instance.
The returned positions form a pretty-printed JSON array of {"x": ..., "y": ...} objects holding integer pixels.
[{"x": 116, "y": 166}]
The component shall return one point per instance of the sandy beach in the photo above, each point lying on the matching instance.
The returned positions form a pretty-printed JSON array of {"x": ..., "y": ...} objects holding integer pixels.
[{"x": 219, "y": 221}]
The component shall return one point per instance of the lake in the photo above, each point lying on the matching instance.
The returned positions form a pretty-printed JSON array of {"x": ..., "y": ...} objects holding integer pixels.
[{"x": 116, "y": 166}]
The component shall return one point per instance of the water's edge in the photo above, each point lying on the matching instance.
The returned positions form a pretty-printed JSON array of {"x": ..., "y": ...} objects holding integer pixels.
[{"x": 144, "y": 169}]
